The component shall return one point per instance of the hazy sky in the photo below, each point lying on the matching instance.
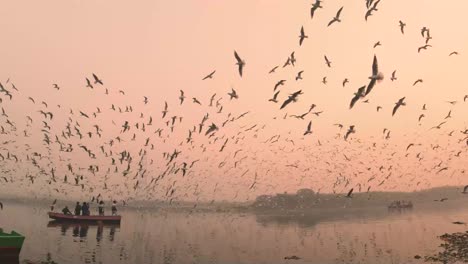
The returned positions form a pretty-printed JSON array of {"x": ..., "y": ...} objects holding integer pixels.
[{"x": 156, "y": 48}]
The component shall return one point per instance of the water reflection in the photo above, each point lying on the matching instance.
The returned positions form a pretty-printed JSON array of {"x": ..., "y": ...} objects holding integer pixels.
[{"x": 81, "y": 230}]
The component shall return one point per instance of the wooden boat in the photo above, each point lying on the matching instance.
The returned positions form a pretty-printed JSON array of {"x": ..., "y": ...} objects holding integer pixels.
[
  {"x": 85, "y": 218},
  {"x": 10, "y": 244}
]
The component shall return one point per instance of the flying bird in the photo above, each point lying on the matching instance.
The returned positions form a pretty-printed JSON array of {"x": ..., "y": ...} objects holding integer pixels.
[
  {"x": 233, "y": 94},
  {"x": 398, "y": 104},
  {"x": 302, "y": 36},
  {"x": 359, "y": 94},
  {"x": 181, "y": 97},
  {"x": 274, "y": 99},
  {"x": 402, "y": 27},
  {"x": 299, "y": 75},
  {"x": 376, "y": 76},
  {"x": 424, "y": 47},
  {"x": 240, "y": 63},
  {"x": 417, "y": 81},
  {"x": 88, "y": 83},
  {"x": 393, "y": 78},
  {"x": 336, "y": 18},
  {"x": 327, "y": 61},
  {"x": 308, "y": 131},
  {"x": 453, "y": 53},
  {"x": 315, "y": 6},
  {"x": 209, "y": 76},
  {"x": 291, "y": 98},
  {"x": 96, "y": 80}
]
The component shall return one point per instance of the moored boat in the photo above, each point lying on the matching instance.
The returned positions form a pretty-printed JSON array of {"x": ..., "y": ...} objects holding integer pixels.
[
  {"x": 10, "y": 244},
  {"x": 85, "y": 218}
]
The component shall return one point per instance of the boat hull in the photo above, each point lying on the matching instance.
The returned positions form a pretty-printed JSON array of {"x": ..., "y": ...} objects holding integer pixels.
[
  {"x": 10, "y": 245},
  {"x": 85, "y": 219}
]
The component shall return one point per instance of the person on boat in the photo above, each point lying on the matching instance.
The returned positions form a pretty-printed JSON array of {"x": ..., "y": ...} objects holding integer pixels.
[
  {"x": 77, "y": 208},
  {"x": 101, "y": 208},
  {"x": 85, "y": 209},
  {"x": 66, "y": 211},
  {"x": 114, "y": 207}
]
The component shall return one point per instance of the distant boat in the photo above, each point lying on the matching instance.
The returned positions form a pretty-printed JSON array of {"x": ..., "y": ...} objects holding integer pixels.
[
  {"x": 10, "y": 245},
  {"x": 85, "y": 218},
  {"x": 400, "y": 205}
]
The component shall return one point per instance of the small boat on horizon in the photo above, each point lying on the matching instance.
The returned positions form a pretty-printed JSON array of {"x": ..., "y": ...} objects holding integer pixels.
[
  {"x": 85, "y": 218},
  {"x": 10, "y": 245}
]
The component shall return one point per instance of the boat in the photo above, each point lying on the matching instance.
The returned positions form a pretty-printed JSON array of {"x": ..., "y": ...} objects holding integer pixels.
[
  {"x": 10, "y": 244},
  {"x": 85, "y": 218}
]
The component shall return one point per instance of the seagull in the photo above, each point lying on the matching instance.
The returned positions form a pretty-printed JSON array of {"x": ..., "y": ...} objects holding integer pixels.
[
  {"x": 146, "y": 100},
  {"x": 233, "y": 94},
  {"x": 209, "y": 76},
  {"x": 308, "y": 131},
  {"x": 96, "y": 80},
  {"x": 453, "y": 53},
  {"x": 291, "y": 98},
  {"x": 393, "y": 78},
  {"x": 377, "y": 44},
  {"x": 89, "y": 83},
  {"x": 398, "y": 104},
  {"x": 424, "y": 30},
  {"x": 211, "y": 129},
  {"x": 299, "y": 75},
  {"x": 315, "y": 6},
  {"x": 302, "y": 36},
  {"x": 195, "y": 101},
  {"x": 181, "y": 97},
  {"x": 417, "y": 81},
  {"x": 439, "y": 126},
  {"x": 452, "y": 102},
  {"x": 274, "y": 69},
  {"x": 281, "y": 82},
  {"x": 464, "y": 98},
  {"x": 345, "y": 81},
  {"x": 239, "y": 62},
  {"x": 402, "y": 27},
  {"x": 424, "y": 47},
  {"x": 336, "y": 18},
  {"x": 349, "y": 132},
  {"x": 420, "y": 117},
  {"x": 56, "y": 86},
  {"x": 324, "y": 80},
  {"x": 328, "y": 62},
  {"x": 424, "y": 107},
  {"x": 376, "y": 76},
  {"x": 448, "y": 115},
  {"x": 378, "y": 108},
  {"x": 274, "y": 100},
  {"x": 359, "y": 94}
]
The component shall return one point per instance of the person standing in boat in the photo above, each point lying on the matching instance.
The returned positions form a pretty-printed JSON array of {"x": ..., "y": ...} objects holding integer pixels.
[
  {"x": 114, "y": 207},
  {"x": 77, "y": 208},
  {"x": 85, "y": 209},
  {"x": 101, "y": 208}
]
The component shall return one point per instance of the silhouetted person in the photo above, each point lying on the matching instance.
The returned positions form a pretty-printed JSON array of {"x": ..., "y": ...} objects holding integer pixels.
[
  {"x": 85, "y": 209},
  {"x": 77, "y": 208},
  {"x": 66, "y": 211},
  {"x": 101, "y": 208},
  {"x": 114, "y": 207}
]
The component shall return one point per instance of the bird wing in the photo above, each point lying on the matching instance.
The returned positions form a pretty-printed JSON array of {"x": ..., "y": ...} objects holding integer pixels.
[
  {"x": 375, "y": 67},
  {"x": 370, "y": 86},
  {"x": 239, "y": 60},
  {"x": 339, "y": 12},
  {"x": 286, "y": 102},
  {"x": 395, "y": 109}
]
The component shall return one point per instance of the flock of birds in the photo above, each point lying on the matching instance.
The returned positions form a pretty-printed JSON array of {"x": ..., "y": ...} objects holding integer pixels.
[{"x": 143, "y": 155}]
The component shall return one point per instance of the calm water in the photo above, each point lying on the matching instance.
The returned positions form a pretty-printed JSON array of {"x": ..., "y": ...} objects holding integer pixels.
[{"x": 158, "y": 236}]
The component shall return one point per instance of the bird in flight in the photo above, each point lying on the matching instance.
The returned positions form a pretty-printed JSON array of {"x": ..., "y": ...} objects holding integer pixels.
[
  {"x": 280, "y": 82},
  {"x": 424, "y": 47},
  {"x": 376, "y": 76},
  {"x": 302, "y": 36},
  {"x": 308, "y": 131},
  {"x": 233, "y": 94},
  {"x": 291, "y": 98},
  {"x": 336, "y": 18},
  {"x": 453, "y": 53},
  {"x": 181, "y": 97},
  {"x": 209, "y": 76},
  {"x": 417, "y": 81},
  {"x": 315, "y": 6},
  {"x": 327, "y": 61},
  {"x": 358, "y": 95},
  {"x": 88, "y": 83},
  {"x": 345, "y": 81},
  {"x": 299, "y": 75},
  {"x": 274, "y": 99},
  {"x": 393, "y": 78},
  {"x": 96, "y": 80},
  {"x": 274, "y": 69},
  {"x": 349, "y": 132},
  {"x": 377, "y": 44},
  {"x": 56, "y": 86},
  {"x": 398, "y": 104},
  {"x": 240, "y": 63},
  {"x": 402, "y": 27}
]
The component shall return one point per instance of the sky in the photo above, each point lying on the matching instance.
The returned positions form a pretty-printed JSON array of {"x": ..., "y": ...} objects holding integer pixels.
[{"x": 157, "y": 48}]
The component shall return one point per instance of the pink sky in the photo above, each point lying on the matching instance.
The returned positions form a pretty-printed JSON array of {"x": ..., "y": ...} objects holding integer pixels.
[{"x": 156, "y": 48}]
